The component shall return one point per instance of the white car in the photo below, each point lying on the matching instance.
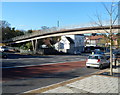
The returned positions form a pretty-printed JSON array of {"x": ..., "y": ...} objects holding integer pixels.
[
  {"x": 97, "y": 60},
  {"x": 2, "y": 49},
  {"x": 6, "y": 48}
]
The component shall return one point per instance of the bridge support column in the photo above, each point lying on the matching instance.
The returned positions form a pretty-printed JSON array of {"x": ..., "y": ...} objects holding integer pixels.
[{"x": 34, "y": 45}]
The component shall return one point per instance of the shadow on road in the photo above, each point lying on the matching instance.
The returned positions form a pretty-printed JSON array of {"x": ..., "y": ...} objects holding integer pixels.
[
  {"x": 115, "y": 74},
  {"x": 16, "y": 56}
]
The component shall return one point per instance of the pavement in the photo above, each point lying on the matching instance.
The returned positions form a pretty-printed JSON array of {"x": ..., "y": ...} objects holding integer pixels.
[
  {"x": 91, "y": 84},
  {"x": 99, "y": 82}
]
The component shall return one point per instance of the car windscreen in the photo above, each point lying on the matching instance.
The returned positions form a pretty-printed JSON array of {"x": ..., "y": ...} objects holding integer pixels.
[{"x": 93, "y": 57}]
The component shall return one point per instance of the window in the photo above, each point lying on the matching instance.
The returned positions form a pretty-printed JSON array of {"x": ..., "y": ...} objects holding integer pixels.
[{"x": 93, "y": 57}]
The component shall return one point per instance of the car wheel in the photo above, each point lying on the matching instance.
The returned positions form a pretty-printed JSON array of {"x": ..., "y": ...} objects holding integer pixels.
[
  {"x": 88, "y": 66},
  {"x": 101, "y": 67}
]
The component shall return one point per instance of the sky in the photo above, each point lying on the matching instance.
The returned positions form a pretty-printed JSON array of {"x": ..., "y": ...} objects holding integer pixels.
[{"x": 34, "y": 15}]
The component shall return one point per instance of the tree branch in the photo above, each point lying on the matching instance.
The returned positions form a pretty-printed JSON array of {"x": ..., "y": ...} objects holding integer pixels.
[
  {"x": 115, "y": 19},
  {"x": 106, "y": 9}
]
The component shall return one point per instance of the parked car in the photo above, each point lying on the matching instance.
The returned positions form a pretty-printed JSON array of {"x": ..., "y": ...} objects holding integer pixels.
[
  {"x": 98, "y": 51},
  {"x": 116, "y": 56},
  {"x": 97, "y": 60},
  {"x": 77, "y": 52},
  {"x": 6, "y": 49},
  {"x": 3, "y": 55},
  {"x": 117, "y": 53},
  {"x": 2, "y": 49}
]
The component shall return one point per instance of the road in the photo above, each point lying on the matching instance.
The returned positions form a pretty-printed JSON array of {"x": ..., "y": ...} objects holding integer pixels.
[
  {"x": 22, "y": 73},
  {"x": 16, "y": 60}
]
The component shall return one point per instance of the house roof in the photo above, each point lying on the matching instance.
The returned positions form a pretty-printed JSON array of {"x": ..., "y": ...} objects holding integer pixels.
[
  {"x": 97, "y": 37},
  {"x": 70, "y": 40}
]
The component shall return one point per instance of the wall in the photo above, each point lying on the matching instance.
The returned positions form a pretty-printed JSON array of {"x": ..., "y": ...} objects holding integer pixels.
[{"x": 65, "y": 46}]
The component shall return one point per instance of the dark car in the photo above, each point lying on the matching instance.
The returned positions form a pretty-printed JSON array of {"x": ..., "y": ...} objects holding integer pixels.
[
  {"x": 3, "y": 55},
  {"x": 117, "y": 54}
]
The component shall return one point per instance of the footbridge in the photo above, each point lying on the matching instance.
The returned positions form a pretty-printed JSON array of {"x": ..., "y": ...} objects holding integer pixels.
[
  {"x": 34, "y": 37},
  {"x": 60, "y": 32}
]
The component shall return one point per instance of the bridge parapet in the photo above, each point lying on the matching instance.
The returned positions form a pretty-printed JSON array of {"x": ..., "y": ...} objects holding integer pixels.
[{"x": 29, "y": 35}]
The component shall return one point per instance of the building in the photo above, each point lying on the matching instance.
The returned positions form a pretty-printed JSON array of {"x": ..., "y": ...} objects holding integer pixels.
[
  {"x": 100, "y": 40},
  {"x": 93, "y": 40},
  {"x": 71, "y": 44}
]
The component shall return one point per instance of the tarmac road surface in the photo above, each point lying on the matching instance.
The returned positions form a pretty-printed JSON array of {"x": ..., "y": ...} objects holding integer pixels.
[{"x": 44, "y": 73}]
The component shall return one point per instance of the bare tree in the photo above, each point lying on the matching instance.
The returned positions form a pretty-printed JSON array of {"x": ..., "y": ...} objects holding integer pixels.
[
  {"x": 4, "y": 24},
  {"x": 112, "y": 19}
]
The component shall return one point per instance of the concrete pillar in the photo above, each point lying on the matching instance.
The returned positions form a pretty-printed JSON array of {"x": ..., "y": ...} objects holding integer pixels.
[
  {"x": 36, "y": 46},
  {"x": 33, "y": 45}
]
